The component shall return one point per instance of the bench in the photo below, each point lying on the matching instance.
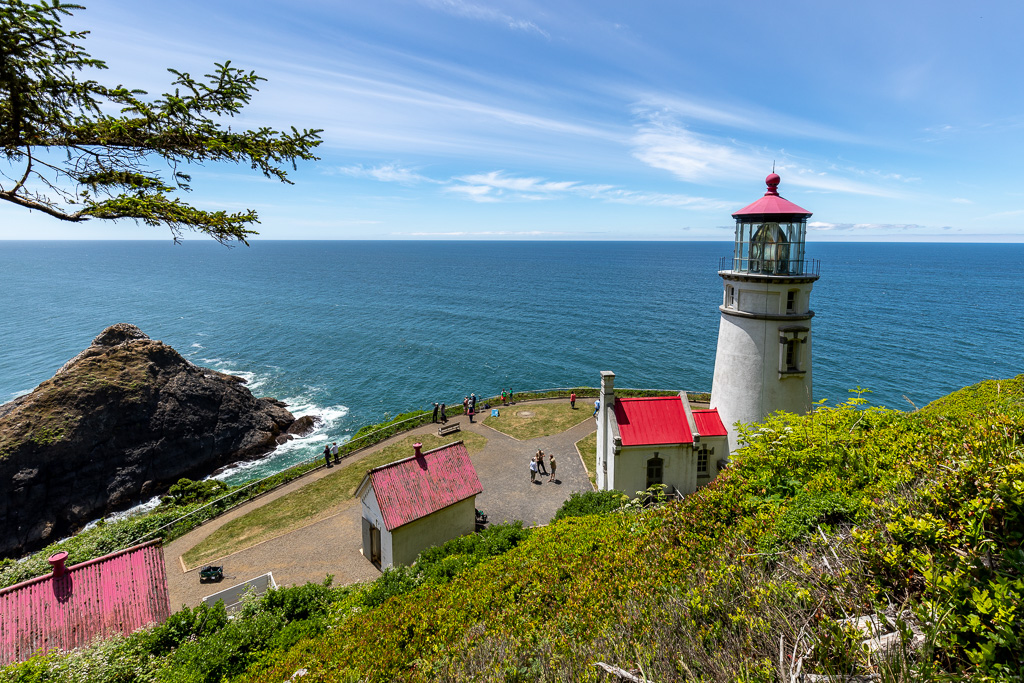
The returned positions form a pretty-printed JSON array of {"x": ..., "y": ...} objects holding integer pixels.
[{"x": 445, "y": 430}]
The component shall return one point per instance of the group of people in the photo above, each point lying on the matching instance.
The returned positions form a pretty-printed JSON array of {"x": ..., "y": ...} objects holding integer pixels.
[
  {"x": 331, "y": 451},
  {"x": 469, "y": 406},
  {"x": 537, "y": 467},
  {"x": 440, "y": 409}
]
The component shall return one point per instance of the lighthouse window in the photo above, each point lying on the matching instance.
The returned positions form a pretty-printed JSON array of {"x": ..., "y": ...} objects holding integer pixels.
[
  {"x": 791, "y": 355},
  {"x": 730, "y": 296},
  {"x": 791, "y": 301}
]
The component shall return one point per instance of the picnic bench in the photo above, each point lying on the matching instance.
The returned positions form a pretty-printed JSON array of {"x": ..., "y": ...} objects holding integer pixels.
[{"x": 445, "y": 430}]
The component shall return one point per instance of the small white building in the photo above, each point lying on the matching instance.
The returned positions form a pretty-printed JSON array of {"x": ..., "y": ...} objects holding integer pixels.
[
  {"x": 643, "y": 442},
  {"x": 419, "y": 502}
]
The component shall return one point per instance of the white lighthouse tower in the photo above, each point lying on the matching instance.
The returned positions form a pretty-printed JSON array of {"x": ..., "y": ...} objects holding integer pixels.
[{"x": 763, "y": 362}]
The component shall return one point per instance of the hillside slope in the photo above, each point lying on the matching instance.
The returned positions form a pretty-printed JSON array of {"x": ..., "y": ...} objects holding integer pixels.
[{"x": 914, "y": 520}]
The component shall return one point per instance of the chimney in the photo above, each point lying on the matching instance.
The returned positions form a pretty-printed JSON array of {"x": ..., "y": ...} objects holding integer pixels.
[
  {"x": 419, "y": 449},
  {"x": 57, "y": 562}
]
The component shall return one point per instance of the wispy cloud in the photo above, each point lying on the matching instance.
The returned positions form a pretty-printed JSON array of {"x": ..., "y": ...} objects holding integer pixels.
[
  {"x": 961, "y": 200},
  {"x": 662, "y": 142},
  {"x": 860, "y": 227},
  {"x": 387, "y": 173},
  {"x": 472, "y": 10},
  {"x": 475, "y": 233},
  {"x": 499, "y": 186},
  {"x": 748, "y": 117}
]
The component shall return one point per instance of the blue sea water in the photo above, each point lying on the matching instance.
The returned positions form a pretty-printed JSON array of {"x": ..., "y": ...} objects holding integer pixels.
[{"x": 359, "y": 331}]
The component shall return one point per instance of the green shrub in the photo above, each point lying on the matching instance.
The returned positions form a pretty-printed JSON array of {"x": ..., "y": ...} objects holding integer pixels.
[
  {"x": 590, "y": 503},
  {"x": 187, "y": 492}
]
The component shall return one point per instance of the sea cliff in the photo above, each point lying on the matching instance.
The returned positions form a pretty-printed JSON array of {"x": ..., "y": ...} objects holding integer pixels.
[{"x": 118, "y": 423}]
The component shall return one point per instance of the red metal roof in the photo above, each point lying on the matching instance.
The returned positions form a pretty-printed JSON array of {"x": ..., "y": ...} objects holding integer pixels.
[
  {"x": 709, "y": 423},
  {"x": 412, "y": 488},
  {"x": 652, "y": 421},
  {"x": 116, "y": 593},
  {"x": 771, "y": 202}
]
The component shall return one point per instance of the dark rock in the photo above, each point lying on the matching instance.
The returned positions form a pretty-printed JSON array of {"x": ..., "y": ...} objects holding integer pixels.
[
  {"x": 284, "y": 438},
  {"x": 121, "y": 421},
  {"x": 303, "y": 425}
]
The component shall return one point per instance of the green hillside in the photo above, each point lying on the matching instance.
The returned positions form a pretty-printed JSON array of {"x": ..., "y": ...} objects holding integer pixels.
[{"x": 853, "y": 511}]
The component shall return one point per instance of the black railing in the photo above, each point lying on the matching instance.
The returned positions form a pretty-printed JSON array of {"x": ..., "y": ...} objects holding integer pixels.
[{"x": 793, "y": 267}]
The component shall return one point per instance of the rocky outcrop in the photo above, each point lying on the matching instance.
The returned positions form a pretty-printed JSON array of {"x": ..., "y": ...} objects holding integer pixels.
[{"x": 118, "y": 423}]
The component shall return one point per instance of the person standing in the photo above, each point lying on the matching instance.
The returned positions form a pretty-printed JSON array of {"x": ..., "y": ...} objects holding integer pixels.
[
  {"x": 540, "y": 462},
  {"x": 334, "y": 452},
  {"x": 597, "y": 406},
  {"x": 572, "y": 400},
  {"x": 434, "y": 418},
  {"x": 444, "y": 418},
  {"x": 472, "y": 402},
  {"x": 533, "y": 471},
  {"x": 553, "y": 465},
  {"x": 465, "y": 405},
  {"x": 327, "y": 454}
]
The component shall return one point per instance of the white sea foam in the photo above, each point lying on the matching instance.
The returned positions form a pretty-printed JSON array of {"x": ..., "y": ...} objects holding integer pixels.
[
  {"x": 139, "y": 509},
  {"x": 197, "y": 345}
]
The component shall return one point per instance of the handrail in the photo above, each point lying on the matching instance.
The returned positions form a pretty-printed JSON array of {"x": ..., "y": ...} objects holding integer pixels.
[
  {"x": 784, "y": 267},
  {"x": 422, "y": 417}
]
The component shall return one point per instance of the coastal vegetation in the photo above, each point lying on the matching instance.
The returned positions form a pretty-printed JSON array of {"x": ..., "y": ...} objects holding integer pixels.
[{"x": 913, "y": 520}]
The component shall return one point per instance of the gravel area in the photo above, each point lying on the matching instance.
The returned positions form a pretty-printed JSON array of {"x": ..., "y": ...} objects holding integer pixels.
[{"x": 333, "y": 545}]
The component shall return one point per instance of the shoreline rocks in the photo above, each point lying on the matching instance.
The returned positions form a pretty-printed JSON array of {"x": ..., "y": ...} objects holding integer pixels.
[{"x": 122, "y": 420}]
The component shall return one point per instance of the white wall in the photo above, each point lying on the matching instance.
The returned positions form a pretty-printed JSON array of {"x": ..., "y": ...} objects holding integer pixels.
[
  {"x": 747, "y": 384},
  {"x": 372, "y": 513},
  {"x": 409, "y": 540}
]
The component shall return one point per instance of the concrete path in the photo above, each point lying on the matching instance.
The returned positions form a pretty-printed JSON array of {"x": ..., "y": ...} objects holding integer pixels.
[{"x": 332, "y": 545}]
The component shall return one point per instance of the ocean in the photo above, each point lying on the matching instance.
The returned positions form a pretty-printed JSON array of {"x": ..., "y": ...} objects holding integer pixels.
[{"x": 357, "y": 332}]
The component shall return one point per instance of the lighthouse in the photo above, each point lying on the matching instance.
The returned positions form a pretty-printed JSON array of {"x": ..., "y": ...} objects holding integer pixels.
[{"x": 763, "y": 362}]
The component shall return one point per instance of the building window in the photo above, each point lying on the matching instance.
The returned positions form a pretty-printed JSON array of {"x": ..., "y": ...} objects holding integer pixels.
[
  {"x": 730, "y": 296},
  {"x": 791, "y": 301},
  {"x": 655, "y": 471},
  {"x": 702, "y": 461}
]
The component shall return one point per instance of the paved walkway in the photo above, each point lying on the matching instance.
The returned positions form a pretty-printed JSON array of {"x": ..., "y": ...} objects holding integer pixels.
[{"x": 332, "y": 545}]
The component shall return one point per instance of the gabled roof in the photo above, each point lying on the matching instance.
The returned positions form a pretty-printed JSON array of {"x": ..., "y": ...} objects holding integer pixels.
[
  {"x": 409, "y": 489},
  {"x": 652, "y": 421},
  {"x": 709, "y": 423},
  {"x": 116, "y": 593}
]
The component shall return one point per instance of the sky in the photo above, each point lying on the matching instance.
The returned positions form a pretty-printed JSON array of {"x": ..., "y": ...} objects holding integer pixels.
[{"x": 597, "y": 119}]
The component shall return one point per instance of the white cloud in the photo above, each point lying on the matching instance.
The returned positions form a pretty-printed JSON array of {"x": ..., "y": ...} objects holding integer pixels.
[
  {"x": 961, "y": 200},
  {"x": 887, "y": 227},
  {"x": 388, "y": 173},
  {"x": 471, "y": 10},
  {"x": 498, "y": 186}
]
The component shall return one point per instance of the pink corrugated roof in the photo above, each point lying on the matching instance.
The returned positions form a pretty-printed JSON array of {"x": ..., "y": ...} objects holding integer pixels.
[
  {"x": 709, "y": 423},
  {"x": 652, "y": 421},
  {"x": 771, "y": 202},
  {"x": 117, "y": 593},
  {"x": 412, "y": 488}
]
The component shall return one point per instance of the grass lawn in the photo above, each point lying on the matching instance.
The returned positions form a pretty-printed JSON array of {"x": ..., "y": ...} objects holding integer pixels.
[
  {"x": 544, "y": 419},
  {"x": 315, "y": 501},
  {"x": 587, "y": 447}
]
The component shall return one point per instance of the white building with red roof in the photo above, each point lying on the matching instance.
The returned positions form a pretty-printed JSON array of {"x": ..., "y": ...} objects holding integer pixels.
[
  {"x": 656, "y": 441},
  {"x": 419, "y": 502}
]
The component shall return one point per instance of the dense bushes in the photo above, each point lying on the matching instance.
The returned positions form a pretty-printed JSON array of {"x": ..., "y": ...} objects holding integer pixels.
[
  {"x": 915, "y": 519},
  {"x": 590, "y": 503}
]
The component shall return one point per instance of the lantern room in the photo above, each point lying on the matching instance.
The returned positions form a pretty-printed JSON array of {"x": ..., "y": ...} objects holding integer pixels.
[{"x": 770, "y": 235}]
